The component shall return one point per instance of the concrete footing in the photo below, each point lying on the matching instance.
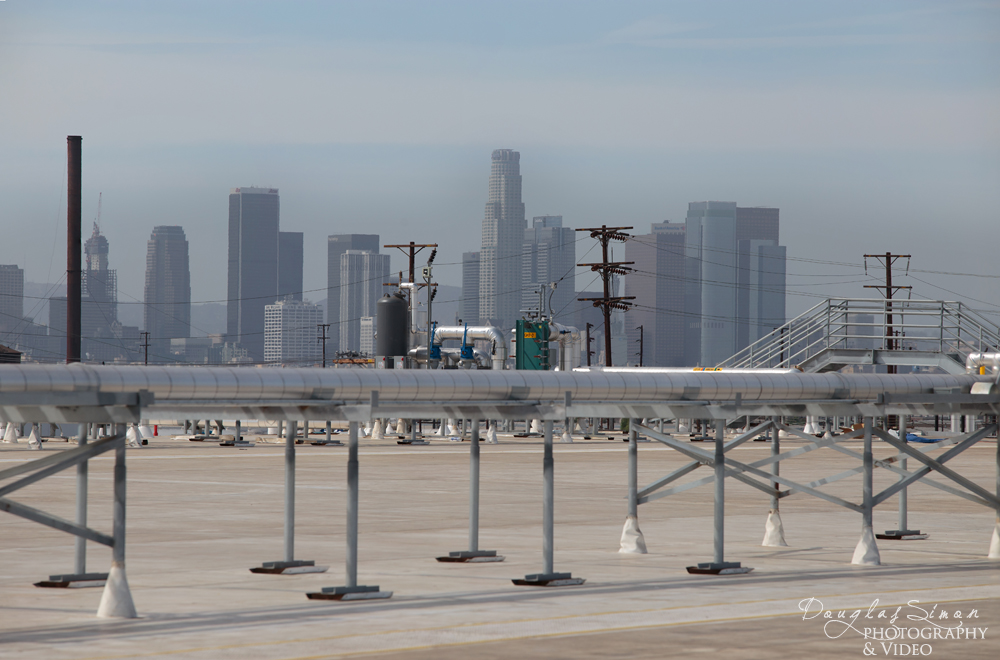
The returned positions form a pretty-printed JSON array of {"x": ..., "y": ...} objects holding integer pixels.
[
  {"x": 774, "y": 531},
  {"x": 632, "y": 542},
  {"x": 116, "y": 601},
  {"x": 866, "y": 552}
]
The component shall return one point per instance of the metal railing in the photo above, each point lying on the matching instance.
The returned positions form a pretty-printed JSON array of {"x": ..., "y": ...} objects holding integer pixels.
[{"x": 934, "y": 326}]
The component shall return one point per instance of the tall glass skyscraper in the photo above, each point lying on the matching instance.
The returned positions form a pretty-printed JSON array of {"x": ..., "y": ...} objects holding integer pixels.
[
  {"x": 253, "y": 265},
  {"x": 500, "y": 262},
  {"x": 167, "y": 309},
  {"x": 337, "y": 245}
]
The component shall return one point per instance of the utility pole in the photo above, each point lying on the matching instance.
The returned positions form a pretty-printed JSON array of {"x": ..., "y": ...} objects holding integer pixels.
[
  {"x": 145, "y": 347},
  {"x": 589, "y": 340},
  {"x": 887, "y": 260},
  {"x": 323, "y": 327},
  {"x": 607, "y": 268},
  {"x": 411, "y": 249},
  {"x": 640, "y": 345}
]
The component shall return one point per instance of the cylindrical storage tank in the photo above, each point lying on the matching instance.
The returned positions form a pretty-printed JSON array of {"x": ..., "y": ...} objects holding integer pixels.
[{"x": 392, "y": 327}]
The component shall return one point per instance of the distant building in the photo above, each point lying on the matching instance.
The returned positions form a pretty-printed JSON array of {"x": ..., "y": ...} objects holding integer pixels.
[
  {"x": 337, "y": 245},
  {"x": 290, "y": 262},
  {"x": 253, "y": 264},
  {"x": 367, "y": 336},
  {"x": 734, "y": 279},
  {"x": 549, "y": 255},
  {"x": 362, "y": 275},
  {"x": 468, "y": 309},
  {"x": 503, "y": 238},
  {"x": 9, "y": 356},
  {"x": 100, "y": 281},
  {"x": 11, "y": 298},
  {"x": 290, "y": 332},
  {"x": 657, "y": 282},
  {"x": 167, "y": 310}
]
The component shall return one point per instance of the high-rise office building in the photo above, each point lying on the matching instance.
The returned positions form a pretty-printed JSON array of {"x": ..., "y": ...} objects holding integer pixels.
[
  {"x": 11, "y": 298},
  {"x": 290, "y": 264},
  {"x": 100, "y": 281},
  {"x": 503, "y": 238},
  {"x": 167, "y": 309},
  {"x": 362, "y": 275},
  {"x": 734, "y": 279},
  {"x": 337, "y": 245},
  {"x": 468, "y": 309},
  {"x": 367, "y": 336},
  {"x": 253, "y": 264},
  {"x": 711, "y": 265},
  {"x": 657, "y": 282},
  {"x": 549, "y": 256},
  {"x": 290, "y": 332}
]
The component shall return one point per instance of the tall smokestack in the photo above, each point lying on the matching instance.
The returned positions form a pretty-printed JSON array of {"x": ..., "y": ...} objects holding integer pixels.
[{"x": 74, "y": 271}]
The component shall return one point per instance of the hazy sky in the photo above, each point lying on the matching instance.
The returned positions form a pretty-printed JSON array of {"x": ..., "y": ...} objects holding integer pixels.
[{"x": 873, "y": 126}]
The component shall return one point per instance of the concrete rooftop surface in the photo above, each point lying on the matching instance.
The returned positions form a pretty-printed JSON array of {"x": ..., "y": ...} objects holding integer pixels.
[{"x": 200, "y": 515}]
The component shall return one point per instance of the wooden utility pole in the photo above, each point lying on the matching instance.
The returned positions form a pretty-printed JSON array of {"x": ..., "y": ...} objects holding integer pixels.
[
  {"x": 887, "y": 260},
  {"x": 640, "y": 345},
  {"x": 411, "y": 249},
  {"x": 323, "y": 327},
  {"x": 145, "y": 347},
  {"x": 607, "y": 269},
  {"x": 590, "y": 339}
]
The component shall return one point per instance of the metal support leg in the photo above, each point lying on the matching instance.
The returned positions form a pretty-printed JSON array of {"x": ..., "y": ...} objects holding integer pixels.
[
  {"x": 116, "y": 601},
  {"x": 351, "y": 590},
  {"x": 774, "y": 531},
  {"x": 719, "y": 566},
  {"x": 290, "y": 492},
  {"x": 352, "y": 505},
  {"x": 80, "y": 565},
  {"x": 79, "y": 577},
  {"x": 548, "y": 577},
  {"x": 239, "y": 431},
  {"x": 720, "y": 492},
  {"x": 902, "y": 531},
  {"x": 632, "y": 541},
  {"x": 473, "y": 554},
  {"x": 289, "y": 565},
  {"x": 548, "y": 502},
  {"x": 866, "y": 552},
  {"x": 994, "y": 552}
]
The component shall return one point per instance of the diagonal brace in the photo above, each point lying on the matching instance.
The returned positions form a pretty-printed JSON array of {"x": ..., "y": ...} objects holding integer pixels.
[
  {"x": 937, "y": 465},
  {"x": 72, "y": 455},
  {"x": 68, "y": 459},
  {"x": 39, "y": 516}
]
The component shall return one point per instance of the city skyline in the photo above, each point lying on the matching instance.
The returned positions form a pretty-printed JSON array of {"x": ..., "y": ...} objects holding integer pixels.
[{"x": 870, "y": 126}]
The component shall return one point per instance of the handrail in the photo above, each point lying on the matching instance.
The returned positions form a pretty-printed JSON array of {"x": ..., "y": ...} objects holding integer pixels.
[{"x": 861, "y": 323}]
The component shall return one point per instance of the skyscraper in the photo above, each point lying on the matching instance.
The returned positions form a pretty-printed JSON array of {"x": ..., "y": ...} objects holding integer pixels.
[
  {"x": 167, "y": 310},
  {"x": 710, "y": 250},
  {"x": 361, "y": 285},
  {"x": 337, "y": 245},
  {"x": 100, "y": 282},
  {"x": 468, "y": 309},
  {"x": 253, "y": 264},
  {"x": 734, "y": 279},
  {"x": 503, "y": 239},
  {"x": 290, "y": 264},
  {"x": 11, "y": 297},
  {"x": 549, "y": 255},
  {"x": 290, "y": 328},
  {"x": 657, "y": 282}
]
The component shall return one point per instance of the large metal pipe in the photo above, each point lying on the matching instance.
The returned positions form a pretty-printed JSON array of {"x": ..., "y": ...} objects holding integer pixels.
[
  {"x": 243, "y": 385},
  {"x": 486, "y": 332},
  {"x": 984, "y": 363},
  {"x": 74, "y": 247}
]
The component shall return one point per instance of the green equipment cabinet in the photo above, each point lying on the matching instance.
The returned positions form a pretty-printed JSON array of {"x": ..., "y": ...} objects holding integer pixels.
[{"x": 532, "y": 345}]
